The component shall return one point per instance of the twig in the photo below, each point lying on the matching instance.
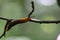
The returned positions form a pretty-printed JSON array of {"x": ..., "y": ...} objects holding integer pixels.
[{"x": 45, "y": 21}]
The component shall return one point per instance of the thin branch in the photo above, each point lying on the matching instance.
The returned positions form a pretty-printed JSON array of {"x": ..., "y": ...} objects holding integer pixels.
[
  {"x": 44, "y": 21},
  {"x": 4, "y": 18},
  {"x": 5, "y": 29},
  {"x": 32, "y": 9}
]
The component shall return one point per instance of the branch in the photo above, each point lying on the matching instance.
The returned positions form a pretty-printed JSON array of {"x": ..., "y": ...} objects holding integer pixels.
[
  {"x": 32, "y": 9},
  {"x": 44, "y": 21},
  {"x": 5, "y": 29},
  {"x": 4, "y": 18}
]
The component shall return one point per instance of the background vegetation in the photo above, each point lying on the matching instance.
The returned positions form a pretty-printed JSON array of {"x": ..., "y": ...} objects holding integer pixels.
[{"x": 29, "y": 31}]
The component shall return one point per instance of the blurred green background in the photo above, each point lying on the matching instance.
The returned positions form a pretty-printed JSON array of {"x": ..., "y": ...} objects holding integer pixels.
[{"x": 30, "y": 31}]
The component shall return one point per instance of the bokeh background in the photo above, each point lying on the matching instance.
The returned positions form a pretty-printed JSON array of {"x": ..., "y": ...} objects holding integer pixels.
[{"x": 44, "y": 10}]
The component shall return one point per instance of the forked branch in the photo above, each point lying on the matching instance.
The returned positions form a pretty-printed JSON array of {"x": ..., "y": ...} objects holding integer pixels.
[{"x": 12, "y": 22}]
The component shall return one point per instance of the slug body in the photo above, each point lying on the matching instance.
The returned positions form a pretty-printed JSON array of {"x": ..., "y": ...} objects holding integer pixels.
[{"x": 15, "y": 22}]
